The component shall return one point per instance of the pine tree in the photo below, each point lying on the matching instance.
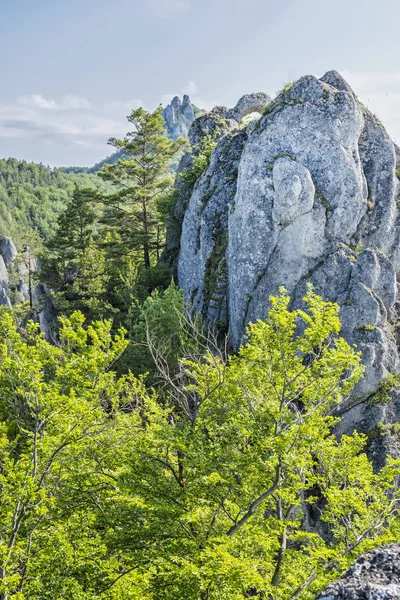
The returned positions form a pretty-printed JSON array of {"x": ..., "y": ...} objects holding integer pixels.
[
  {"x": 142, "y": 177},
  {"x": 74, "y": 266}
]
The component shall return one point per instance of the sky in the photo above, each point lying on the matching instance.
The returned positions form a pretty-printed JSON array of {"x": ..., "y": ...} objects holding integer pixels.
[{"x": 71, "y": 71}]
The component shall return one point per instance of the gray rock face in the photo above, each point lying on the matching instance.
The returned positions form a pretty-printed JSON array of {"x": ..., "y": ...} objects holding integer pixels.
[
  {"x": 15, "y": 272},
  {"x": 4, "y": 299},
  {"x": 378, "y": 420},
  {"x": 24, "y": 268},
  {"x": 375, "y": 576},
  {"x": 178, "y": 117},
  {"x": 203, "y": 271},
  {"x": 249, "y": 103},
  {"x": 213, "y": 124},
  {"x": 315, "y": 199},
  {"x": 46, "y": 312},
  {"x": 218, "y": 185},
  {"x": 8, "y": 251}
]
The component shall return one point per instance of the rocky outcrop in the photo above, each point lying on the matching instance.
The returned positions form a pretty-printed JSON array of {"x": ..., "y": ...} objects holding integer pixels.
[
  {"x": 248, "y": 104},
  {"x": 17, "y": 284},
  {"x": 8, "y": 251},
  {"x": 4, "y": 299},
  {"x": 46, "y": 312},
  {"x": 220, "y": 187},
  {"x": 306, "y": 193},
  {"x": 375, "y": 576},
  {"x": 213, "y": 124},
  {"x": 178, "y": 117},
  {"x": 16, "y": 270}
]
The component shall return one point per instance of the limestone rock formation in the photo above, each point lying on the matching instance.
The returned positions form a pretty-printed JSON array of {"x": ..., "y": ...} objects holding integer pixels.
[
  {"x": 16, "y": 269},
  {"x": 249, "y": 103},
  {"x": 374, "y": 576},
  {"x": 8, "y": 251},
  {"x": 4, "y": 299},
  {"x": 307, "y": 193},
  {"x": 46, "y": 312},
  {"x": 178, "y": 117}
]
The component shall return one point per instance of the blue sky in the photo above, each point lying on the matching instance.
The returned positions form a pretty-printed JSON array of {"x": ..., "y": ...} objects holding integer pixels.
[{"x": 71, "y": 71}]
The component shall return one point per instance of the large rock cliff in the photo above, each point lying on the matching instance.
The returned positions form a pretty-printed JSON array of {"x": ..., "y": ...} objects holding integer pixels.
[{"x": 308, "y": 192}]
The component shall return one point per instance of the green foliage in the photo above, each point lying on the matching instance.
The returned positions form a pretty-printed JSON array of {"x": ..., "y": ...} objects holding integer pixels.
[
  {"x": 56, "y": 410},
  {"x": 74, "y": 266},
  {"x": 232, "y": 485},
  {"x": 141, "y": 176},
  {"x": 201, "y": 161},
  {"x": 163, "y": 331},
  {"x": 203, "y": 491},
  {"x": 32, "y": 196},
  {"x": 391, "y": 382}
]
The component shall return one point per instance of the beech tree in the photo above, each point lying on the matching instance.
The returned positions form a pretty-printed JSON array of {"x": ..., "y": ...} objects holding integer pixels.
[
  {"x": 111, "y": 492},
  {"x": 56, "y": 407},
  {"x": 232, "y": 494}
]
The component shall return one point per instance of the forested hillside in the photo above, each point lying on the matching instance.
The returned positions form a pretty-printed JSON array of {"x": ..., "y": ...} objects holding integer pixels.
[
  {"x": 109, "y": 160},
  {"x": 32, "y": 196}
]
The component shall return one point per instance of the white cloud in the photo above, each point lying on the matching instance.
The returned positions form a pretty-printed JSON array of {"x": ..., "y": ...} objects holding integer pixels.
[
  {"x": 74, "y": 102},
  {"x": 124, "y": 105},
  {"x": 168, "y": 9},
  {"x": 380, "y": 92},
  {"x": 37, "y": 100},
  {"x": 190, "y": 89},
  {"x": 65, "y": 124},
  {"x": 68, "y": 102}
]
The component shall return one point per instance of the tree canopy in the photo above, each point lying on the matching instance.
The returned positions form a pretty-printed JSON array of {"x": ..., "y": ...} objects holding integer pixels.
[{"x": 109, "y": 492}]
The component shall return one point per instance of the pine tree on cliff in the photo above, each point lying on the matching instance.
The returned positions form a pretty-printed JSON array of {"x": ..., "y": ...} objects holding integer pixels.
[{"x": 142, "y": 178}]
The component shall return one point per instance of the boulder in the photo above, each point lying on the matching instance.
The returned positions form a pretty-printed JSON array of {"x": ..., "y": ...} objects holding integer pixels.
[
  {"x": 374, "y": 576},
  {"x": 249, "y": 103}
]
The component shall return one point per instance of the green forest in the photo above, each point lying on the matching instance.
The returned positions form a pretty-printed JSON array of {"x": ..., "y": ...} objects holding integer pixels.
[
  {"x": 32, "y": 196},
  {"x": 139, "y": 458}
]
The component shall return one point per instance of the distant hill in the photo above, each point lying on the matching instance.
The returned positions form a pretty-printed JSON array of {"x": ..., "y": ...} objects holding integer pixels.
[
  {"x": 109, "y": 160},
  {"x": 32, "y": 196}
]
